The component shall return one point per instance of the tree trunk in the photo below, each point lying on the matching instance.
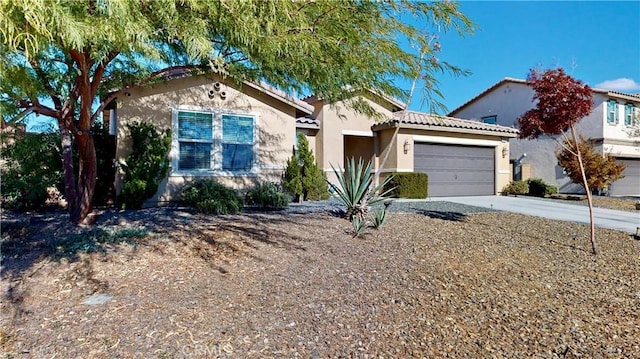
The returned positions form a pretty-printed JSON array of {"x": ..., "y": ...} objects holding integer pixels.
[
  {"x": 86, "y": 178},
  {"x": 70, "y": 193},
  {"x": 587, "y": 189}
]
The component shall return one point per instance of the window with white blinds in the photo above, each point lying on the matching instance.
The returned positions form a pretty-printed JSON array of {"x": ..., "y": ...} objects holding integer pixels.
[
  {"x": 214, "y": 141},
  {"x": 237, "y": 142},
  {"x": 195, "y": 137}
]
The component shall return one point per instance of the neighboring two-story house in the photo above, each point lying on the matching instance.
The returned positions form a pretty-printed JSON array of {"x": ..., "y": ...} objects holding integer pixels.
[{"x": 610, "y": 125}]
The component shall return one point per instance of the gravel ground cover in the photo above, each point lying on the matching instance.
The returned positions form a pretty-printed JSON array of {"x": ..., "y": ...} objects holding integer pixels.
[{"x": 440, "y": 280}]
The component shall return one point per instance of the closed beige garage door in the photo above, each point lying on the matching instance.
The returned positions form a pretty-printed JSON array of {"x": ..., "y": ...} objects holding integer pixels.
[
  {"x": 630, "y": 184},
  {"x": 456, "y": 170}
]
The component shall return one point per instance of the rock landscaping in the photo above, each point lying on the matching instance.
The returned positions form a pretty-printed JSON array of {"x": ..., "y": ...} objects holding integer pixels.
[{"x": 440, "y": 281}]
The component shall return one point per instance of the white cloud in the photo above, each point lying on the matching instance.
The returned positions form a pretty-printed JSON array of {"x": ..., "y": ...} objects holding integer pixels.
[{"x": 621, "y": 84}]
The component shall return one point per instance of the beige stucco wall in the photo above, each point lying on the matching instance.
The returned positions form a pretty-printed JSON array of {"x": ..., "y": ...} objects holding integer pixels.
[
  {"x": 336, "y": 122},
  {"x": 274, "y": 120}
]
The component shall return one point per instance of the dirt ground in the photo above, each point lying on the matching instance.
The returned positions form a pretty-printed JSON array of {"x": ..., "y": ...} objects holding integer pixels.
[{"x": 182, "y": 285}]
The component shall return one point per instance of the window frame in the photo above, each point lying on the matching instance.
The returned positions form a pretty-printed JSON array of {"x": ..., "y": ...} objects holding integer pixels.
[
  {"x": 493, "y": 118},
  {"x": 612, "y": 104},
  {"x": 216, "y": 165},
  {"x": 629, "y": 111}
]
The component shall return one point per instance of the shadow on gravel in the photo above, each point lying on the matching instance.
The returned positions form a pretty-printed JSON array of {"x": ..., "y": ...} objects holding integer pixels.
[
  {"x": 28, "y": 239},
  {"x": 447, "y": 216}
]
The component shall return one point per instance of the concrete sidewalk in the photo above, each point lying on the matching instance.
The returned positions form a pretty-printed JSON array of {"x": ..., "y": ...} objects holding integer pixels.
[{"x": 605, "y": 218}]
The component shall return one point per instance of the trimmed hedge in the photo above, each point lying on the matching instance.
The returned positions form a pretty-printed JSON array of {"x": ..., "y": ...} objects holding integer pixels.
[
  {"x": 538, "y": 188},
  {"x": 408, "y": 185}
]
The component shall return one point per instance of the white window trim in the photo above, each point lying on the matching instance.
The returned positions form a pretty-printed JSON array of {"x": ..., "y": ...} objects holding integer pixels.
[
  {"x": 616, "y": 113},
  {"x": 216, "y": 151}
]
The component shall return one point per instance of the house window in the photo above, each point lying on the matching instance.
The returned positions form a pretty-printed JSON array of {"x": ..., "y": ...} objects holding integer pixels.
[
  {"x": 629, "y": 110},
  {"x": 491, "y": 120},
  {"x": 195, "y": 139},
  {"x": 612, "y": 112},
  {"x": 237, "y": 143},
  {"x": 214, "y": 141}
]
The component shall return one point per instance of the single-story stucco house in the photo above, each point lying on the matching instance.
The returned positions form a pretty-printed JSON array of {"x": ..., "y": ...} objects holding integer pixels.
[{"x": 244, "y": 134}]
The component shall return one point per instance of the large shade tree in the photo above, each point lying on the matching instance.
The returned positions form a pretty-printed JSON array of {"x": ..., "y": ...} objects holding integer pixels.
[
  {"x": 68, "y": 59},
  {"x": 561, "y": 102}
]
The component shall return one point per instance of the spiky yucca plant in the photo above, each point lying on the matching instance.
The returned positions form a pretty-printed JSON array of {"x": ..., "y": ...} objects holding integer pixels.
[{"x": 356, "y": 189}]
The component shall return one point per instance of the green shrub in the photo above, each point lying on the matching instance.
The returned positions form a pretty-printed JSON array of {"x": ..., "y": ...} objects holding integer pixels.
[
  {"x": 146, "y": 166},
  {"x": 267, "y": 196},
  {"x": 516, "y": 188},
  {"x": 408, "y": 185},
  {"x": 537, "y": 187},
  {"x": 32, "y": 165},
  {"x": 302, "y": 177},
  {"x": 211, "y": 197}
]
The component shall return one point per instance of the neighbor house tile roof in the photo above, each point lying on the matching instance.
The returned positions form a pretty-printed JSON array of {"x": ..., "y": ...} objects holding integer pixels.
[{"x": 437, "y": 122}]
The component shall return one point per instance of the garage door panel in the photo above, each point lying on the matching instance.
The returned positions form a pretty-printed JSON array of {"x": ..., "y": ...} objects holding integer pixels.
[
  {"x": 630, "y": 184},
  {"x": 456, "y": 170}
]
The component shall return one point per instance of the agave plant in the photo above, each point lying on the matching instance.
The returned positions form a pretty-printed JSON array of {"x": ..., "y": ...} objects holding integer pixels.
[{"x": 356, "y": 189}]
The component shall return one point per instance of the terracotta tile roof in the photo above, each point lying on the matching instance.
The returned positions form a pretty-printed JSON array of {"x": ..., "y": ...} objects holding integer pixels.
[
  {"x": 431, "y": 121},
  {"x": 307, "y": 122}
]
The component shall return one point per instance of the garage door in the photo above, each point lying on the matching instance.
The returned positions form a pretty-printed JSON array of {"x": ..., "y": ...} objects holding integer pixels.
[
  {"x": 630, "y": 184},
  {"x": 456, "y": 170}
]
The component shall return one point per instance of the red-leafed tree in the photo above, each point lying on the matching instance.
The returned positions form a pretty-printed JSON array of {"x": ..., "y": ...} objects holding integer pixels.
[{"x": 561, "y": 102}]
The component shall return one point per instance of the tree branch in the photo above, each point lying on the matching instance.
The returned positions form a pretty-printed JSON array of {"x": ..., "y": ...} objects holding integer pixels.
[{"x": 97, "y": 76}]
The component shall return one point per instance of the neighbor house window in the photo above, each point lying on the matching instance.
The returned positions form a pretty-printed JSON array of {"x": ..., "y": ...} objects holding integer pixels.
[
  {"x": 612, "y": 112},
  {"x": 491, "y": 120},
  {"x": 629, "y": 110},
  {"x": 214, "y": 141}
]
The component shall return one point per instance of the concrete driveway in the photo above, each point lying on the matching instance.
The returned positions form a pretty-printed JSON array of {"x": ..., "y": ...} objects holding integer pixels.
[{"x": 606, "y": 218}]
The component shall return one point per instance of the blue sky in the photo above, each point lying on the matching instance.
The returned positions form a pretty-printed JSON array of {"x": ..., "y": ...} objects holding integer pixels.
[{"x": 596, "y": 42}]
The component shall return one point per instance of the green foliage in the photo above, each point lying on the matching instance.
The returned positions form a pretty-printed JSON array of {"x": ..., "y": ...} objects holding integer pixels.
[
  {"x": 378, "y": 217},
  {"x": 537, "y": 187},
  {"x": 516, "y": 188},
  {"x": 359, "y": 226},
  {"x": 146, "y": 166},
  {"x": 408, "y": 185},
  {"x": 267, "y": 196},
  {"x": 210, "y": 197},
  {"x": 292, "y": 178},
  {"x": 550, "y": 190},
  {"x": 601, "y": 170},
  {"x": 303, "y": 178},
  {"x": 356, "y": 190},
  {"x": 33, "y": 164}
]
